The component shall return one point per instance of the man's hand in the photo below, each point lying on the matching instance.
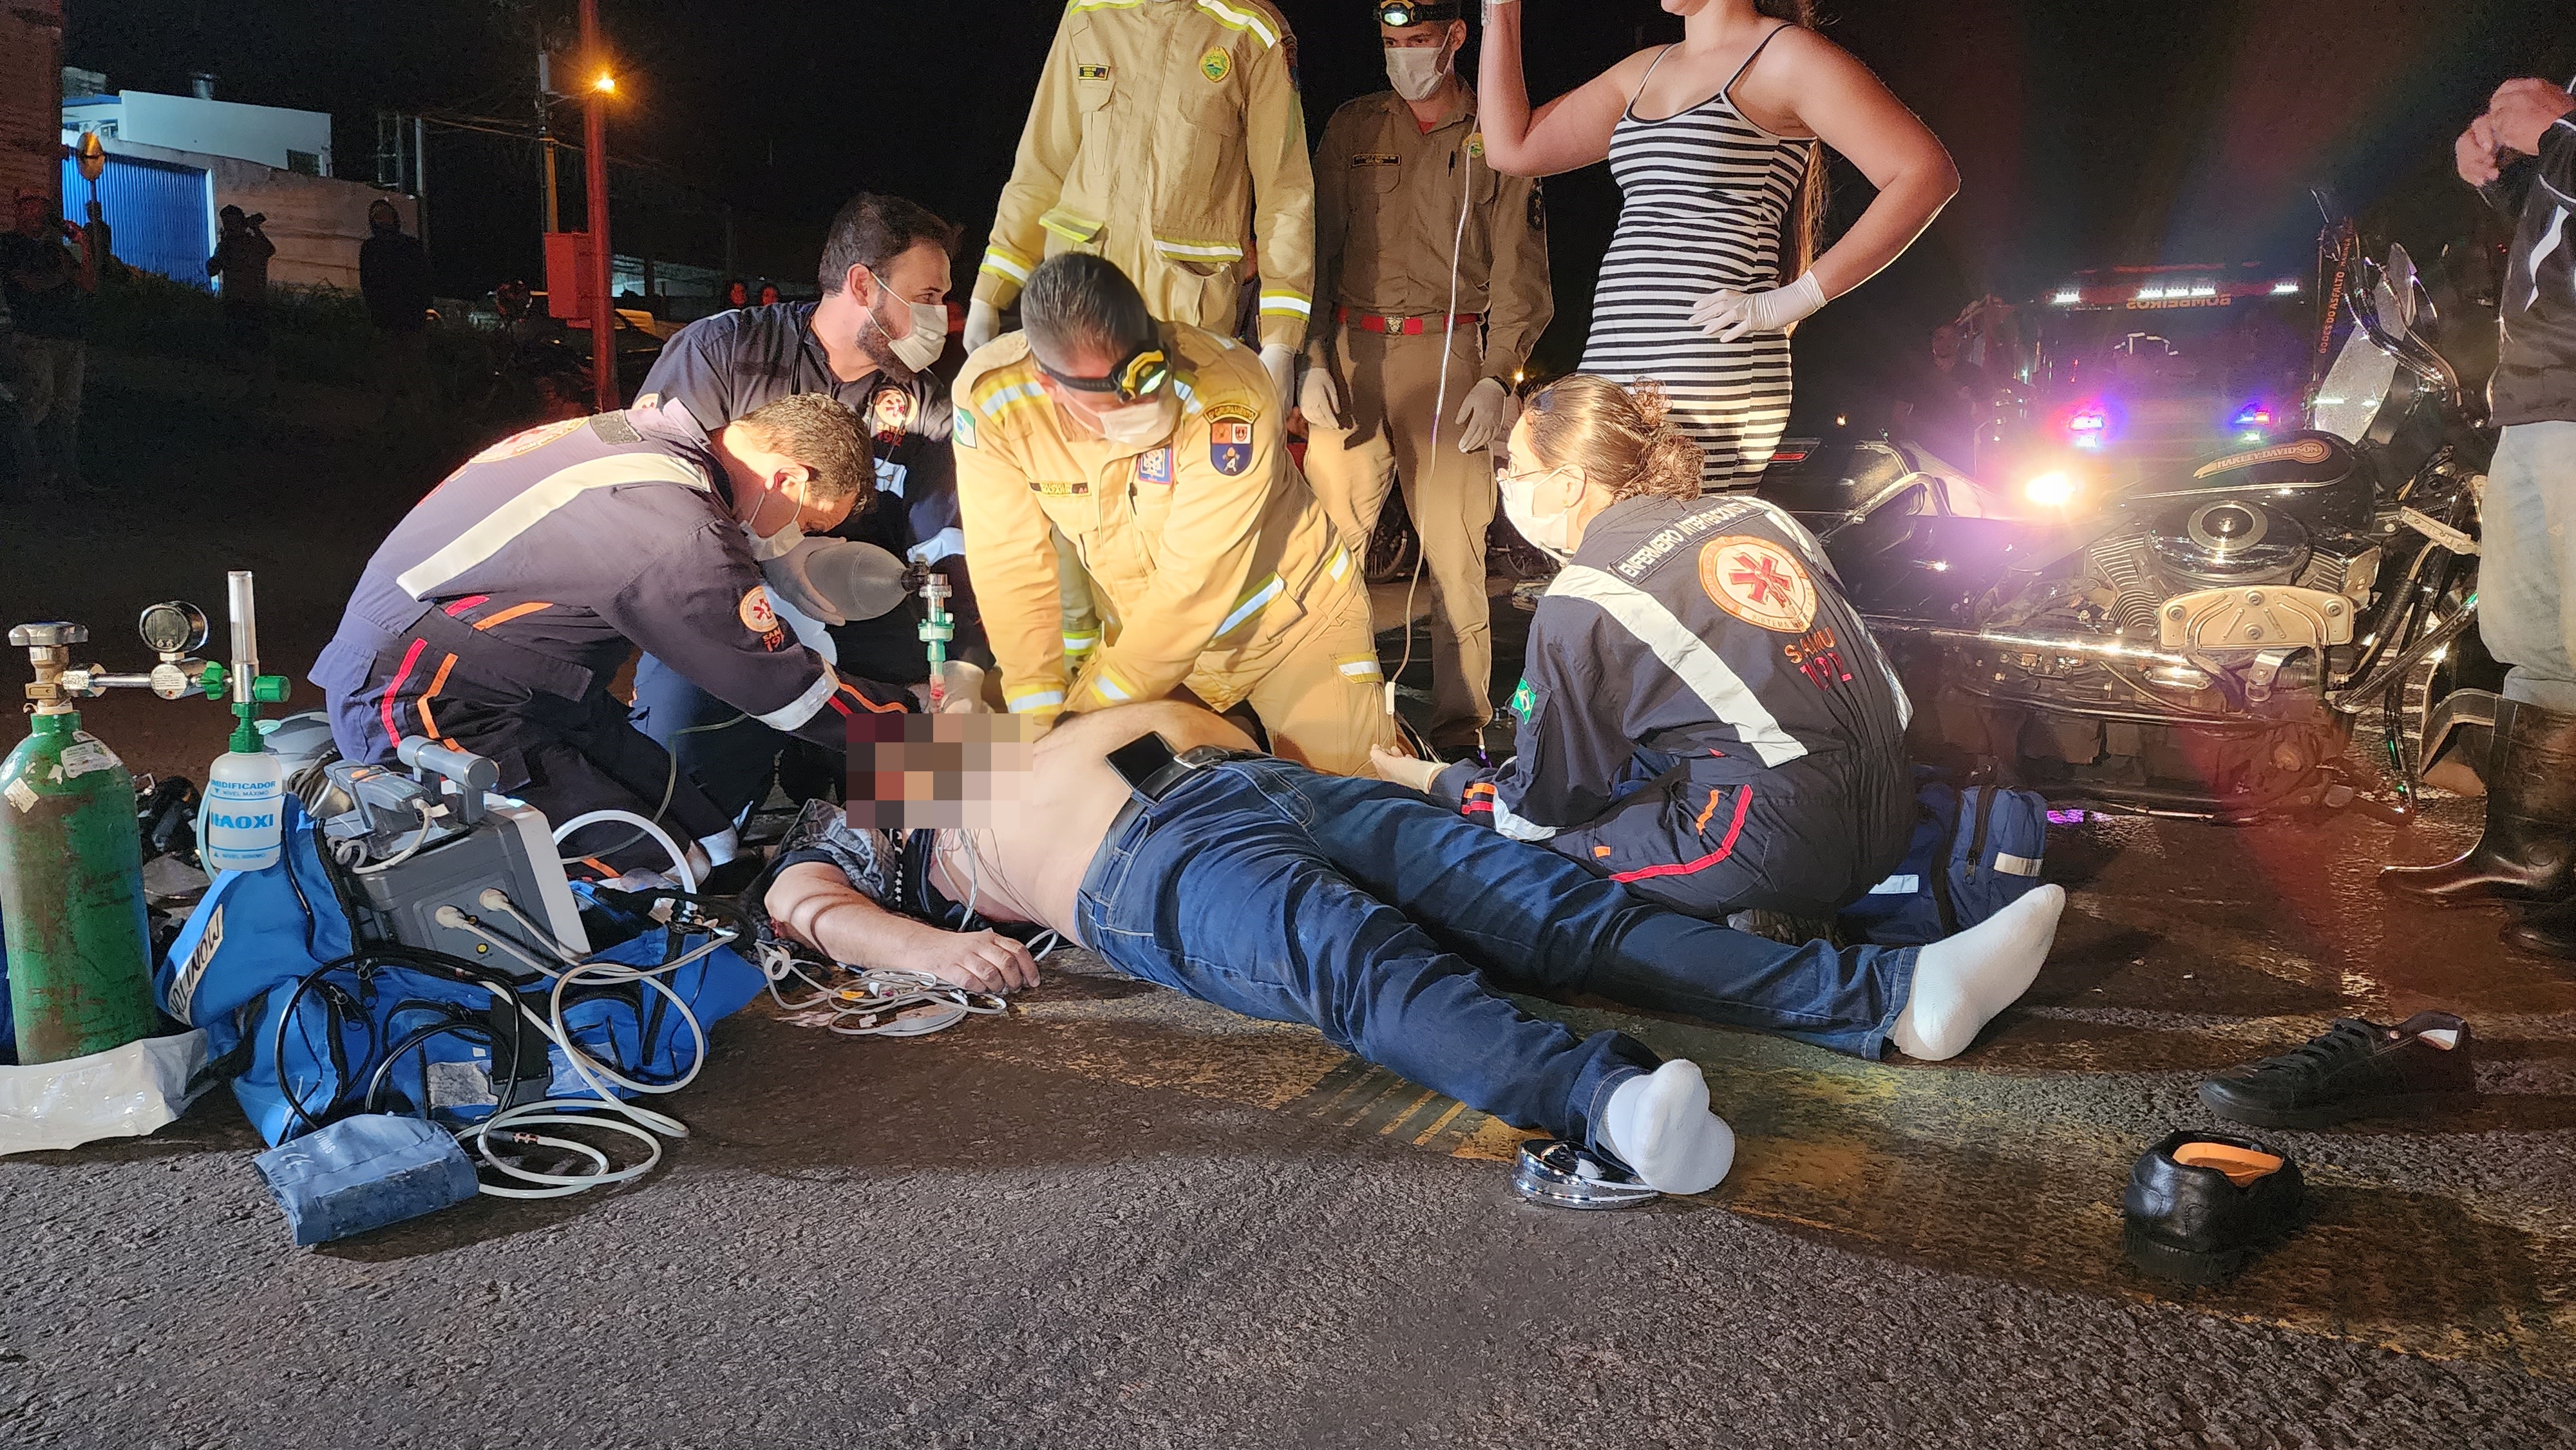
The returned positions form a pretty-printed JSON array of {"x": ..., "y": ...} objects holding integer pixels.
[
  {"x": 1403, "y": 770},
  {"x": 980, "y": 961},
  {"x": 2522, "y": 111},
  {"x": 1486, "y": 416},
  {"x": 983, "y": 324},
  {"x": 2475, "y": 153}
]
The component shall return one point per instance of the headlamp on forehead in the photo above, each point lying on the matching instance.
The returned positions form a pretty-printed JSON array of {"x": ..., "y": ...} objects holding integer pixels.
[
  {"x": 1401, "y": 13},
  {"x": 1140, "y": 376}
]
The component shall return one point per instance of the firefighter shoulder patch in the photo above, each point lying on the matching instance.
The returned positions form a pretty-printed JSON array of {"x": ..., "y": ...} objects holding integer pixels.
[
  {"x": 1230, "y": 439},
  {"x": 1216, "y": 65},
  {"x": 963, "y": 432},
  {"x": 1759, "y": 582}
]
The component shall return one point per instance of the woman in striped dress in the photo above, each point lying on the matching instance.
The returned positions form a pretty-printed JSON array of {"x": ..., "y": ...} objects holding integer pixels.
[{"x": 1716, "y": 145}]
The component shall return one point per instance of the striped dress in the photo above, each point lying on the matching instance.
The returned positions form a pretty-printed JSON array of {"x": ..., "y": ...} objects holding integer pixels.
[{"x": 1705, "y": 197}]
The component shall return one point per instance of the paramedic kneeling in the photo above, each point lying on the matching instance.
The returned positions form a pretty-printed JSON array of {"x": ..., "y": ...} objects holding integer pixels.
[
  {"x": 497, "y": 612},
  {"x": 1704, "y": 717}
]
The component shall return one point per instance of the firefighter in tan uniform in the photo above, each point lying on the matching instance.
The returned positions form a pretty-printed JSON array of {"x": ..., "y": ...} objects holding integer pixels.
[
  {"x": 1393, "y": 173},
  {"x": 1159, "y": 451},
  {"x": 1166, "y": 136}
]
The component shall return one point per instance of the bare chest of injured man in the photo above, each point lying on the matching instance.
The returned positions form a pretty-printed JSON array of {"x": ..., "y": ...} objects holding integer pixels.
[{"x": 1029, "y": 866}]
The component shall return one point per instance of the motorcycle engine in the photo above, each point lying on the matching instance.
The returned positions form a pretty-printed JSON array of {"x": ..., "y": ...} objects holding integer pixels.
[{"x": 2229, "y": 541}]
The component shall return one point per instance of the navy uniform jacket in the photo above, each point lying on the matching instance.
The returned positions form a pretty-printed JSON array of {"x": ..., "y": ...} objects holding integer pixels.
[
  {"x": 723, "y": 367},
  {"x": 525, "y": 578},
  {"x": 1709, "y": 633}
]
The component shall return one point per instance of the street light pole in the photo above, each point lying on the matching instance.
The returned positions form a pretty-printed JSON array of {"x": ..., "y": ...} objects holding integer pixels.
[
  {"x": 546, "y": 136},
  {"x": 603, "y": 318}
]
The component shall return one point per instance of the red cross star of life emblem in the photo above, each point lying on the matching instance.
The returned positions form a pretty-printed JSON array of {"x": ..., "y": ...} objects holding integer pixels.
[{"x": 1759, "y": 582}]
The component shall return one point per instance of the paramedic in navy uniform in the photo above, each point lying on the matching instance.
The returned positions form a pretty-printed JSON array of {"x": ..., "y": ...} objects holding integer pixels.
[
  {"x": 495, "y": 615},
  {"x": 881, "y": 323},
  {"x": 1704, "y": 717}
]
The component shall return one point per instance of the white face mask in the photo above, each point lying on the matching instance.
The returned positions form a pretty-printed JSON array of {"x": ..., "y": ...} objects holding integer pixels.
[
  {"x": 1137, "y": 425},
  {"x": 1520, "y": 504},
  {"x": 927, "y": 338},
  {"x": 765, "y": 547},
  {"x": 1416, "y": 71}
]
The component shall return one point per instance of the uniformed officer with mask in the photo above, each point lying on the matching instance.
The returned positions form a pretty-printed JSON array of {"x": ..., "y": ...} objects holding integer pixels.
[
  {"x": 869, "y": 341},
  {"x": 496, "y": 614},
  {"x": 1165, "y": 134},
  {"x": 1158, "y": 450},
  {"x": 1408, "y": 350}
]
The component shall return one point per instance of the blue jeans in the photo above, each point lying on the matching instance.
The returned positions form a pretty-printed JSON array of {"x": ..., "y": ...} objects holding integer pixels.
[
  {"x": 1362, "y": 909},
  {"x": 2527, "y": 575}
]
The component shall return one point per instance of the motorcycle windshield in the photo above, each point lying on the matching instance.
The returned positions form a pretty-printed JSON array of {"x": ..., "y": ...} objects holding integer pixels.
[{"x": 2360, "y": 383}]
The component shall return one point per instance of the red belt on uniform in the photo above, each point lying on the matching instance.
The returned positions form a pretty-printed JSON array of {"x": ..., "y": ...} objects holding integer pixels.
[{"x": 1402, "y": 326}]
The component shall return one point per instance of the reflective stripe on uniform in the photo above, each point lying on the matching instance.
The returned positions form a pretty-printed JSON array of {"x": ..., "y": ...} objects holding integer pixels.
[
  {"x": 1106, "y": 685},
  {"x": 1199, "y": 251},
  {"x": 1234, "y": 19},
  {"x": 494, "y": 531},
  {"x": 1281, "y": 302},
  {"x": 1001, "y": 400},
  {"x": 1341, "y": 564},
  {"x": 1360, "y": 667},
  {"x": 1261, "y": 595},
  {"x": 1483, "y": 799},
  {"x": 1082, "y": 644},
  {"x": 1081, "y": 231},
  {"x": 792, "y": 716},
  {"x": 1001, "y": 261},
  {"x": 1724, "y": 692},
  {"x": 1038, "y": 698}
]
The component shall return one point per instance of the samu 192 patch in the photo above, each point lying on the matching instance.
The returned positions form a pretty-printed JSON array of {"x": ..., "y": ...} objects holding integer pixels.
[
  {"x": 1216, "y": 65},
  {"x": 761, "y": 619},
  {"x": 1155, "y": 467},
  {"x": 1230, "y": 439}
]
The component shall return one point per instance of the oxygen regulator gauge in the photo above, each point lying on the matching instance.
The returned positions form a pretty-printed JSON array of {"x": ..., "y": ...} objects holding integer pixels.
[
  {"x": 175, "y": 631},
  {"x": 175, "y": 628}
]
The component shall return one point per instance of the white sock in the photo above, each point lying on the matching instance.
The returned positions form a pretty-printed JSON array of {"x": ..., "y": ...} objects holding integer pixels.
[
  {"x": 1660, "y": 1125},
  {"x": 1961, "y": 982}
]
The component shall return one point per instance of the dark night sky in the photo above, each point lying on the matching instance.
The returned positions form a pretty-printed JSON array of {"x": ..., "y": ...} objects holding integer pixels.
[{"x": 2089, "y": 131}]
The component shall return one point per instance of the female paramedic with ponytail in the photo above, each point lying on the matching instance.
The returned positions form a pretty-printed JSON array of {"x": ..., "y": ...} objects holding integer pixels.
[{"x": 1704, "y": 718}]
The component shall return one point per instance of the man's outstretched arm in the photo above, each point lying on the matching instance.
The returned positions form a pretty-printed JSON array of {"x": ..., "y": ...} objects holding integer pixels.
[{"x": 814, "y": 904}]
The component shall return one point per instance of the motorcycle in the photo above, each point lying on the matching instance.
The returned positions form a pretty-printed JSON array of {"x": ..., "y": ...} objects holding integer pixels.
[{"x": 2197, "y": 646}]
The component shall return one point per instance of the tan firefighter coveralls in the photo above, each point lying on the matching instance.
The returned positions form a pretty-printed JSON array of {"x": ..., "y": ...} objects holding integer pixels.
[
  {"x": 1167, "y": 135},
  {"x": 1388, "y": 198},
  {"x": 1214, "y": 567}
]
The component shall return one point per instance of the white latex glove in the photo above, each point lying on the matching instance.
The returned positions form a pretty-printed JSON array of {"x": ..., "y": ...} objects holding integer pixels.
[
  {"x": 1404, "y": 770},
  {"x": 836, "y": 580},
  {"x": 1280, "y": 361},
  {"x": 1487, "y": 414},
  {"x": 983, "y": 324},
  {"x": 961, "y": 689},
  {"x": 1727, "y": 314},
  {"x": 1319, "y": 401}
]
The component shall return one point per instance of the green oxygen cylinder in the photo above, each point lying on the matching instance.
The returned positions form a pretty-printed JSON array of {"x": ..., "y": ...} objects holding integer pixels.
[{"x": 71, "y": 877}]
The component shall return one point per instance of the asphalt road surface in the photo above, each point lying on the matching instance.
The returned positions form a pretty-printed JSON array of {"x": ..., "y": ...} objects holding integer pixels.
[{"x": 1118, "y": 1218}]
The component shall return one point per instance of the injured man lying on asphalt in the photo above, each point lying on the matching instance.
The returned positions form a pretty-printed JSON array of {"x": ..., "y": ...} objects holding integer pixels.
[{"x": 1360, "y": 908}]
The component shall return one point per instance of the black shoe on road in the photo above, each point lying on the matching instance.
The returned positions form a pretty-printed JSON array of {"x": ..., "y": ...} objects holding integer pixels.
[
  {"x": 2200, "y": 1204},
  {"x": 2357, "y": 1069}
]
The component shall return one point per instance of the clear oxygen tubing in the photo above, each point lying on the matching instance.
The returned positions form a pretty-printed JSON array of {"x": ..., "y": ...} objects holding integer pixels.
[
  {"x": 679, "y": 858},
  {"x": 1439, "y": 415}
]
